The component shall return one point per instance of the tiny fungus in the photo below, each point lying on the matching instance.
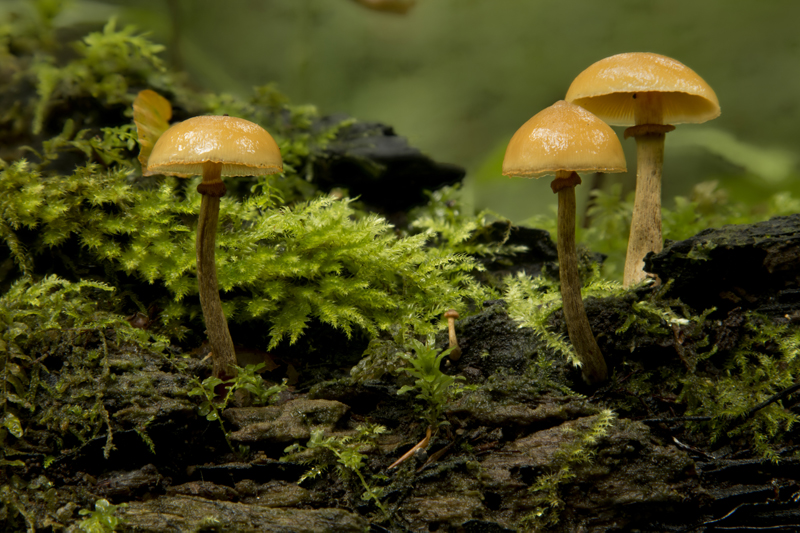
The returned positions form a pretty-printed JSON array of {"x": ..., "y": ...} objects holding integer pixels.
[
  {"x": 214, "y": 146},
  {"x": 451, "y": 316},
  {"x": 650, "y": 93},
  {"x": 562, "y": 140}
]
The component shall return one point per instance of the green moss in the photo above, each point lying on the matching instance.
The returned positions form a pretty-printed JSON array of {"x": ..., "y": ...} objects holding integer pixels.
[
  {"x": 576, "y": 448},
  {"x": 345, "y": 453},
  {"x": 103, "y": 519},
  {"x": 56, "y": 317},
  {"x": 458, "y": 231},
  {"x": 435, "y": 389},
  {"x": 764, "y": 363},
  {"x": 532, "y": 301}
]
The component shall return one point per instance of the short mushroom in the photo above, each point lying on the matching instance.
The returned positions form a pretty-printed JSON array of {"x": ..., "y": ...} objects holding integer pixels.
[
  {"x": 451, "y": 315},
  {"x": 214, "y": 146},
  {"x": 648, "y": 92},
  {"x": 562, "y": 140}
]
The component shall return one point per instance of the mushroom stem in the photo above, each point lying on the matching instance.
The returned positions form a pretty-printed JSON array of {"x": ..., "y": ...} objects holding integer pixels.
[
  {"x": 219, "y": 336},
  {"x": 593, "y": 366},
  {"x": 451, "y": 316},
  {"x": 645, "y": 233}
]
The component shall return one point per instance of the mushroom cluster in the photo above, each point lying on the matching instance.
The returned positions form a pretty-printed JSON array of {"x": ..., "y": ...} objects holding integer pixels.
[
  {"x": 648, "y": 92},
  {"x": 214, "y": 146},
  {"x": 645, "y": 91}
]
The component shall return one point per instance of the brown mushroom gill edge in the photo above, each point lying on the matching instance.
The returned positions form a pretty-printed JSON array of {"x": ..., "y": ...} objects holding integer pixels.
[{"x": 593, "y": 365}]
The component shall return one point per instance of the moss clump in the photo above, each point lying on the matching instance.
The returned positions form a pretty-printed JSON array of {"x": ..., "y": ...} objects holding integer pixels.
[
  {"x": 741, "y": 400},
  {"x": 54, "y": 317},
  {"x": 532, "y": 302},
  {"x": 457, "y": 231}
]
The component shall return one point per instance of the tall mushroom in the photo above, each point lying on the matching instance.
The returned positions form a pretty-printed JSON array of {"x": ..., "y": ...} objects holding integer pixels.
[
  {"x": 648, "y": 92},
  {"x": 214, "y": 146},
  {"x": 562, "y": 140}
]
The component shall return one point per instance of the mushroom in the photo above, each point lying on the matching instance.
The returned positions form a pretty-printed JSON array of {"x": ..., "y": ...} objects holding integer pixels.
[
  {"x": 648, "y": 92},
  {"x": 451, "y": 315},
  {"x": 214, "y": 146},
  {"x": 562, "y": 140}
]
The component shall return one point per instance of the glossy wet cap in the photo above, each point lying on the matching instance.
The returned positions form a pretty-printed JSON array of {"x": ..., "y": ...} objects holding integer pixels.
[
  {"x": 607, "y": 87},
  {"x": 243, "y": 148},
  {"x": 563, "y": 137}
]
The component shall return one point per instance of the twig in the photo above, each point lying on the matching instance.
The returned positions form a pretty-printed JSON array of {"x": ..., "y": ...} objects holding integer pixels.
[
  {"x": 435, "y": 457},
  {"x": 420, "y": 445},
  {"x": 772, "y": 399},
  {"x": 675, "y": 419}
]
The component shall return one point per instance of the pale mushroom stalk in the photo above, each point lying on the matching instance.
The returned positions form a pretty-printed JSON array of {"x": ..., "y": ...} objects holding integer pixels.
[
  {"x": 645, "y": 235},
  {"x": 455, "y": 353},
  {"x": 219, "y": 336},
  {"x": 593, "y": 365}
]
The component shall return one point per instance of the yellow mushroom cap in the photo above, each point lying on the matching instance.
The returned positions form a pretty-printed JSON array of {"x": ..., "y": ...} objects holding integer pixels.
[
  {"x": 243, "y": 148},
  {"x": 607, "y": 87},
  {"x": 563, "y": 137}
]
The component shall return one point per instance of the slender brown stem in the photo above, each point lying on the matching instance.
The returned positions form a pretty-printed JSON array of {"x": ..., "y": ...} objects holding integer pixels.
[
  {"x": 593, "y": 366},
  {"x": 219, "y": 336},
  {"x": 645, "y": 233}
]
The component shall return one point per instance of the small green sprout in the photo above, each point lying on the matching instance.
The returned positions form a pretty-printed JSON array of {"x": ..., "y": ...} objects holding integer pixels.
[
  {"x": 433, "y": 386},
  {"x": 347, "y": 453},
  {"x": 103, "y": 519},
  {"x": 246, "y": 378}
]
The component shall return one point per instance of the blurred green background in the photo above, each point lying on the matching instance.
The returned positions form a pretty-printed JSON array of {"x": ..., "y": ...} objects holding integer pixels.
[{"x": 458, "y": 77}]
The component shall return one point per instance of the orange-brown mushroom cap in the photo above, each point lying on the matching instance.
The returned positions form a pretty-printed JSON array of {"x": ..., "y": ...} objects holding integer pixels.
[
  {"x": 563, "y": 137},
  {"x": 607, "y": 89},
  {"x": 242, "y": 147}
]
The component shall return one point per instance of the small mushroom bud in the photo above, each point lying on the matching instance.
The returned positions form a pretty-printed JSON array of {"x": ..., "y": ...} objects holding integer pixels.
[{"x": 451, "y": 316}]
